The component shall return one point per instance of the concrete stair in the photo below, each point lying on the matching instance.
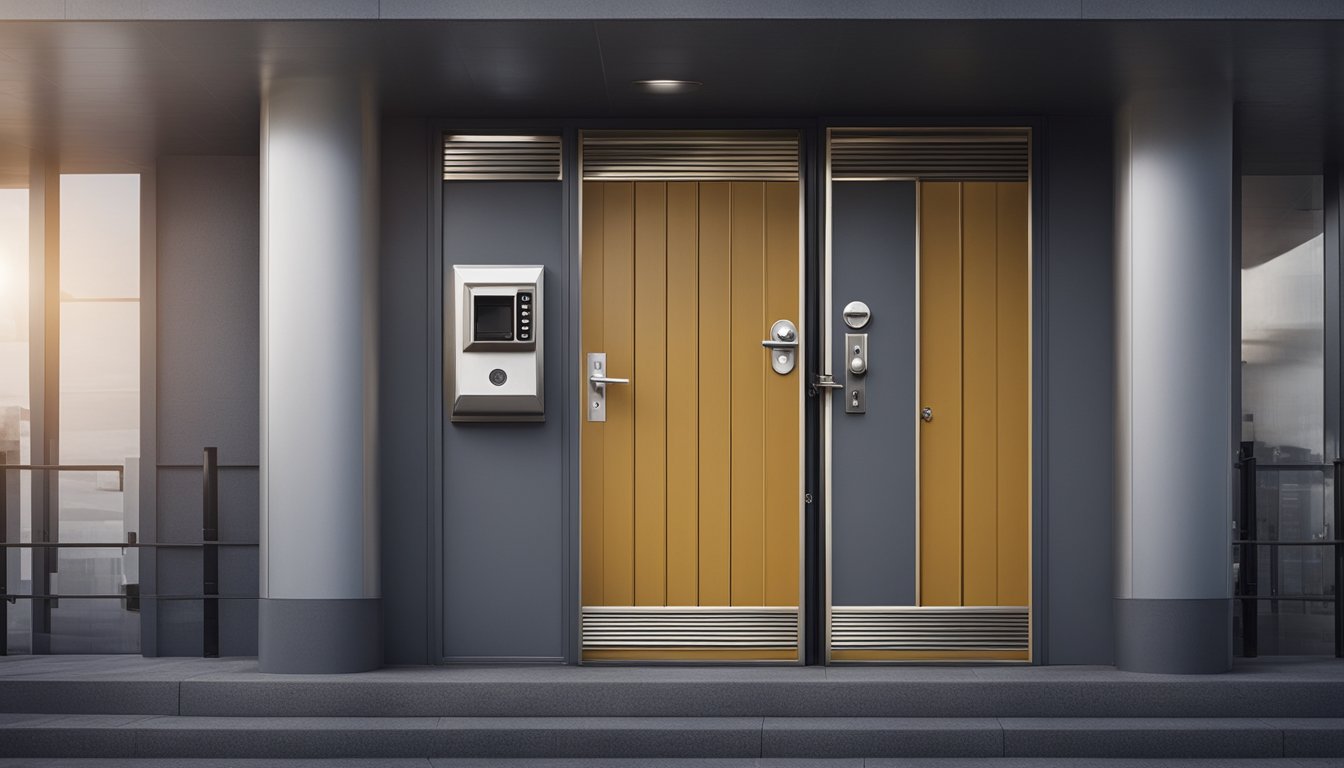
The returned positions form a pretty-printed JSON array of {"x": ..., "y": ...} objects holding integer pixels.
[
  {"x": 640, "y": 737},
  {"x": 226, "y": 711}
]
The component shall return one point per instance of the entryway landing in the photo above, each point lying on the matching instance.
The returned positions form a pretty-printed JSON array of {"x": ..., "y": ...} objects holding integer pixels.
[
  {"x": 235, "y": 688},
  {"x": 134, "y": 708}
]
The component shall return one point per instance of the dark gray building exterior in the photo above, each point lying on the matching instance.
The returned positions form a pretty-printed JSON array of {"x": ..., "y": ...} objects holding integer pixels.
[{"x": 311, "y": 174}]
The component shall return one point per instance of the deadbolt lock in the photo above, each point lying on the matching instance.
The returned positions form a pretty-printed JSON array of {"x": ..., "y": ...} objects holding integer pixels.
[
  {"x": 783, "y": 346},
  {"x": 856, "y": 370}
]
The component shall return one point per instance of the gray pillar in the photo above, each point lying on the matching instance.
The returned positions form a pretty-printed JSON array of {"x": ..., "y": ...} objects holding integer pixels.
[
  {"x": 1175, "y": 340},
  {"x": 320, "y": 607}
]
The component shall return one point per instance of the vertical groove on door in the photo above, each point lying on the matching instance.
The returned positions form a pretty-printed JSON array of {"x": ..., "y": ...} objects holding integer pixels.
[
  {"x": 1014, "y": 429},
  {"x": 980, "y": 420},
  {"x": 748, "y": 416},
  {"x": 590, "y": 478},
  {"x": 649, "y": 370},
  {"x": 715, "y": 387},
  {"x": 618, "y": 336},
  {"x": 940, "y": 378},
  {"x": 683, "y": 421},
  {"x": 782, "y": 393}
]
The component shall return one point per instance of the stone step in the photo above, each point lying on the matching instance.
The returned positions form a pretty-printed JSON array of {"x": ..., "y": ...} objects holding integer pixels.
[
  {"x": 241, "y": 691},
  {"x": 138, "y": 736},
  {"x": 639, "y": 762}
]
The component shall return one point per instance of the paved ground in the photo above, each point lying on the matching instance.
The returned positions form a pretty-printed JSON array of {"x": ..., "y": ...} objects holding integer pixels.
[{"x": 245, "y": 669}]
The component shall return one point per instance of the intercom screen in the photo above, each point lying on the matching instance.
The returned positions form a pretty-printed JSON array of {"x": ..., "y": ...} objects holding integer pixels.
[{"x": 494, "y": 318}]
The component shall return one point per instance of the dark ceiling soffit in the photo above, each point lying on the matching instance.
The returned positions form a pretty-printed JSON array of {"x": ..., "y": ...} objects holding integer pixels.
[{"x": 593, "y": 10}]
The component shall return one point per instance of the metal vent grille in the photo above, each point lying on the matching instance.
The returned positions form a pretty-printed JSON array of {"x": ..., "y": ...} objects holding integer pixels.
[
  {"x": 501, "y": 158},
  {"x": 999, "y": 155},
  {"x": 691, "y": 627},
  {"x": 741, "y": 156},
  {"x": 929, "y": 628}
]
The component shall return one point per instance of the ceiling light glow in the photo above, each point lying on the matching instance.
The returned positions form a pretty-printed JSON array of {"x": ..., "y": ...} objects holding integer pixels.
[{"x": 667, "y": 86}]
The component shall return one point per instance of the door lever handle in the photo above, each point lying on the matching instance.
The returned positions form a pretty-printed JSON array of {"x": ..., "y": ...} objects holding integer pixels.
[
  {"x": 599, "y": 380},
  {"x": 776, "y": 344}
]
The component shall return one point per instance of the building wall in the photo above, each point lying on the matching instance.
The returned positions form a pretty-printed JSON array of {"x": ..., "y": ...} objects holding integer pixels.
[
  {"x": 1080, "y": 391},
  {"x": 207, "y": 357},
  {"x": 404, "y": 390},
  {"x": 207, "y": 361}
]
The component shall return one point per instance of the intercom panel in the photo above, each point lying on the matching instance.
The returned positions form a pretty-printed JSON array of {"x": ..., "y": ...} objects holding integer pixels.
[{"x": 497, "y": 368}]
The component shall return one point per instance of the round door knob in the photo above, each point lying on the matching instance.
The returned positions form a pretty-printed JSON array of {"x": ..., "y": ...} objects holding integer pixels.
[{"x": 857, "y": 364}]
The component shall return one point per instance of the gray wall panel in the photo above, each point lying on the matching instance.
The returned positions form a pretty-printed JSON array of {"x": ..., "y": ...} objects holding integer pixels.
[
  {"x": 1080, "y": 391},
  {"x": 208, "y": 308},
  {"x": 403, "y": 392},
  {"x": 873, "y": 454},
  {"x": 207, "y": 377},
  {"x": 503, "y": 517}
]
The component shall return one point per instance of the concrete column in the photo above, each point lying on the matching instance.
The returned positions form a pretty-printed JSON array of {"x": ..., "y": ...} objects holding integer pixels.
[
  {"x": 320, "y": 599},
  {"x": 1176, "y": 277}
]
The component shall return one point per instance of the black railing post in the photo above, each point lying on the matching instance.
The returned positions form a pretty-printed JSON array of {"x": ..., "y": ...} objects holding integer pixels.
[
  {"x": 1250, "y": 557},
  {"x": 4, "y": 557},
  {"x": 209, "y": 551},
  {"x": 1337, "y": 534}
]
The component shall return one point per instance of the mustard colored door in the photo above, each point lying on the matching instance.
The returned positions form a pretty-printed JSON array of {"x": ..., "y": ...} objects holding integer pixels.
[
  {"x": 691, "y": 487},
  {"x": 974, "y": 392}
]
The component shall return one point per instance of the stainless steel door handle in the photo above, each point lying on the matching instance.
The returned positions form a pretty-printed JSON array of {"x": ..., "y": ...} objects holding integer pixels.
[{"x": 597, "y": 386}]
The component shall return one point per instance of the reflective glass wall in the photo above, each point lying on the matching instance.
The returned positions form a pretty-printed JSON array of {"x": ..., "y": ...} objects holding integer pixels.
[
  {"x": 15, "y": 404},
  {"x": 1283, "y": 402},
  {"x": 96, "y": 390},
  {"x": 99, "y": 396}
]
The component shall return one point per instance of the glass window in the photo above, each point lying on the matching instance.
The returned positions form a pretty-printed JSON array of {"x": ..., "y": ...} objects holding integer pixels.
[
  {"x": 15, "y": 416},
  {"x": 1283, "y": 399},
  {"x": 99, "y": 409}
]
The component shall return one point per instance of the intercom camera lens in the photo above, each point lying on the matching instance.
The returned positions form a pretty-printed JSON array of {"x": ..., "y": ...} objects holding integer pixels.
[{"x": 498, "y": 377}]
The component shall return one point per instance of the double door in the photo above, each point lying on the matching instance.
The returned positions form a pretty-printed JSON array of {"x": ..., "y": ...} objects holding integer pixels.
[{"x": 692, "y": 445}]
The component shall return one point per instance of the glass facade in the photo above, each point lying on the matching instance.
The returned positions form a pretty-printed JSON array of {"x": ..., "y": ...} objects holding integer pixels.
[
  {"x": 97, "y": 393},
  {"x": 99, "y": 408},
  {"x": 1283, "y": 401},
  {"x": 15, "y": 404}
]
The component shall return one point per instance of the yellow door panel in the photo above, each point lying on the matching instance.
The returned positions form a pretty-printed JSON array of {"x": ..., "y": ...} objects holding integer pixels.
[
  {"x": 691, "y": 488},
  {"x": 683, "y": 381},
  {"x": 715, "y": 393},
  {"x": 783, "y": 441},
  {"x": 591, "y": 486},
  {"x": 979, "y": 479},
  {"x": 650, "y": 371},
  {"x": 747, "y": 382},
  {"x": 1014, "y": 432},
  {"x": 940, "y": 377},
  {"x": 618, "y": 269},
  {"x": 975, "y": 373}
]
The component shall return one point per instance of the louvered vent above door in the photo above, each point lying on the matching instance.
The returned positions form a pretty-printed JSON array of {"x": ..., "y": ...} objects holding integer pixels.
[
  {"x": 690, "y": 156},
  {"x": 1000, "y": 154},
  {"x": 501, "y": 158}
]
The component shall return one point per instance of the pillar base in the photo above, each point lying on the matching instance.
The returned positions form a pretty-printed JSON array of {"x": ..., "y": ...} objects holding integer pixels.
[
  {"x": 319, "y": 636},
  {"x": 1173, "y": 636}
]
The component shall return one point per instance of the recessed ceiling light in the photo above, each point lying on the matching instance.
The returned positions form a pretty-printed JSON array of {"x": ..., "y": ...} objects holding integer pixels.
[{"x": 667, "y": 86}]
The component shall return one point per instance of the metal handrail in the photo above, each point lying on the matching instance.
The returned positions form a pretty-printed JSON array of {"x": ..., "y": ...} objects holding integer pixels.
[
  {"x": 209, "y": 546},
  {"x": 118, "y": 468},
  {"x": 95, "y": 596},
  {"x": 124, "y": 544},
  {"x": 1248, "y": 575}
]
